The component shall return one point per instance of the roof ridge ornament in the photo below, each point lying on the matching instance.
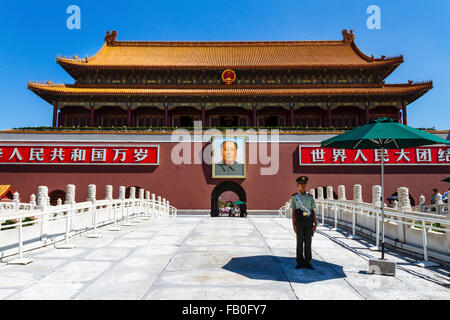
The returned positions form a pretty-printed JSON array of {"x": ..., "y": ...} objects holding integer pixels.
[
  {"x": 110, "y": 38},
  {"x": 349, "y": 37}
]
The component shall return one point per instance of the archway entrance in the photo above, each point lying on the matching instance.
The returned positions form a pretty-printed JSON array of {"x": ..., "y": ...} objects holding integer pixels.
[{"x": 224, "y": 187}]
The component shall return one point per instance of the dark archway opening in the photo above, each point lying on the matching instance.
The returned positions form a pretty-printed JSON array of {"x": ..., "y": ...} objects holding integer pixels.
[
  {"x": 223, "y": 187},
  {"x": 128, "y": 189},
  {"x": 335, "y": 196},
  {"x": 394, "y": 196},
  {"x": 55, "y": 195}
]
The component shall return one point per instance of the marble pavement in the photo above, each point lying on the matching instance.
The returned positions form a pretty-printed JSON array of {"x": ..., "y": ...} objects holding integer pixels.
[{"x": 198, "y": 257}]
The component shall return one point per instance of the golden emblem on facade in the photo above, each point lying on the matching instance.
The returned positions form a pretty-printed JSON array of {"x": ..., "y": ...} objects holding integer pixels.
[{"x": 228, "y": 76}]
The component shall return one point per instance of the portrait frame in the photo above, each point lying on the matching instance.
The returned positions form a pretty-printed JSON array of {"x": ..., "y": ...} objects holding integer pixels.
[{"x": 241, "y": 157}]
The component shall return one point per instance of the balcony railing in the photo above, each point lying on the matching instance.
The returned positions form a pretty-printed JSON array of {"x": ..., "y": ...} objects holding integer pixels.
[{"x": 27, "y": 226}]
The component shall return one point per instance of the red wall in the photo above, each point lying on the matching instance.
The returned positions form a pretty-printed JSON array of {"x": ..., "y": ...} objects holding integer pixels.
[{"x": 190, "y": 186}]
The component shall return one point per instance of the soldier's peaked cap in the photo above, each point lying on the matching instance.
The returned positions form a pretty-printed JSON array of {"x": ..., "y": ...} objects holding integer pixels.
[{"x": 302, "y": 179}]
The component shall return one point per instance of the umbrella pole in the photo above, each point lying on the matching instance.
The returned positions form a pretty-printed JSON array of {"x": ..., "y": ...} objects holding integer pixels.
[{"x": 382, "y": 203}]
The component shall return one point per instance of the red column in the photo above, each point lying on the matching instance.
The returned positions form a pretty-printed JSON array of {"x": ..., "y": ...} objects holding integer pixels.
[
  {"x": 254, "y": 124},
  {"x": 92, "y": 116},
  {"x": 166, "y": 115},
  {"x": 291, "y": 116},
  {"x": 55, "y": 116},
  {"x": 60, "y": 119},
  {"x": 367, "y": 113},
  {"x": 203, "y": 116},
  {"x": 405, "y": 118},
  {"x": 329, "y": 116},
  {"x": 129, "y": 124},
  {"x": 133, "y": 119}
]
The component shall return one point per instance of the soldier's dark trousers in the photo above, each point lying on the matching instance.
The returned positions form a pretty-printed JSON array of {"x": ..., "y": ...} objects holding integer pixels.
[{"x": 304, "y": 236}]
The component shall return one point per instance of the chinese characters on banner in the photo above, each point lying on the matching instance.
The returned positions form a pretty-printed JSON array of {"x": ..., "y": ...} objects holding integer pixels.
[
  {"x": 80, "y": 154},
  {"x": 434, "y": 155}
]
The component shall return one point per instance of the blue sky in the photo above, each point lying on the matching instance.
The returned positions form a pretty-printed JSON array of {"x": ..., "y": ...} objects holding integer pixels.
[{"x": 33, "y": 33}]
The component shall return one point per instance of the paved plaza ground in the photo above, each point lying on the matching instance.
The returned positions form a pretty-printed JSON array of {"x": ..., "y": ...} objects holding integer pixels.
[{"x": 198, "y": 257}]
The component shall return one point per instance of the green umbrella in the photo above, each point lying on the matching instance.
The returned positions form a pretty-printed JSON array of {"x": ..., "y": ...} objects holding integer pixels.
[
  {"x": 239, "y": 202},
  {"x": 383, "y": 133},
  {"x": 446, "y": 179}
]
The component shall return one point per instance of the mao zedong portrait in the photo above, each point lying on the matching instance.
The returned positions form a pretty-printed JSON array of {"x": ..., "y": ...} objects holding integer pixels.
[{"x": 229, "y": 166}]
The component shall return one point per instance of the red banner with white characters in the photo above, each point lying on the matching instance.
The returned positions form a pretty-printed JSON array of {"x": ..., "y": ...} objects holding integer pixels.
[
  {"x": 430, "y": 155},
  {"x": 80, "y": 154}
]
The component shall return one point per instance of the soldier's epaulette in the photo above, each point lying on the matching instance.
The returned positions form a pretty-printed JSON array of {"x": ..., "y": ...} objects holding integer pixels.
[{"x": 293, "y": 195}]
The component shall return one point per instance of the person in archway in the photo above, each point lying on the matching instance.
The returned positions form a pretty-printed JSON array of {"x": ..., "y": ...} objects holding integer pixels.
[
  {"x": 229, "y": 166},
  {"x": 229, "y": 208},
  {"x": 304, "y": 222}
]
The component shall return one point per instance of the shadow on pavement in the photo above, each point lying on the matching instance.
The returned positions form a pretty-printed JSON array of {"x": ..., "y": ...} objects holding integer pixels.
[{"x": 276, "y": 268}]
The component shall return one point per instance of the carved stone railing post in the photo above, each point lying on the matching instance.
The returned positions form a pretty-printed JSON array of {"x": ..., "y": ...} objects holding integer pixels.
[
  {"x": 341, "y": 197},
  {"x": 153, "y": 204},
  {"x": 42, "y": 195},
  {"x": 357, "y": 193},
  {"x": 121, "y": 197},
  {"x": 42, "y": 202},
  {"x": 147, "y": 203},
  {"x": 159, "y": 204},
  {"x": 330, "y": 193},
  {"x": 109, "y": 197},
  {"x": 312, "y": 192},
  {"x": 132, "y": 196},
  {"x": 92, "y": 191},
  {"x": 141, "y": 194},
  {"x": 33, "y": 201},
  {"x": 16, "y": 201},
  {"x": 421, "y": 199},
  {"x": 403, "y": 204},
  {"x": 403, "y": 198},
  {"x": 70, "y": 200},
  {"x": 132, "y": 193},
  {"x": 109, "y": 192},
  {"x": 421, "y": 203},
  {"x": 357, "y": 199},
  {"x": 70, "y": 194},
  {"x": 122, "y": 191},
  {"x": 439, "y": 203},
  {"x": 376, "y": 196},
  {"x": 91, "y": 196},
  {"x": 320, "y": 193},
  {"x": 341, "y": 193}
]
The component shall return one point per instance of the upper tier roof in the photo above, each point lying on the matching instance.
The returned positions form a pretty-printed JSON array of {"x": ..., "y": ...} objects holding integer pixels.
[{"x": 218, "y": 55}]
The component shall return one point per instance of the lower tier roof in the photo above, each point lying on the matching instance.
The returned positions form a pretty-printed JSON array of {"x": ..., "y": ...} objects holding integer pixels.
[{"x": 48, "y": 91}]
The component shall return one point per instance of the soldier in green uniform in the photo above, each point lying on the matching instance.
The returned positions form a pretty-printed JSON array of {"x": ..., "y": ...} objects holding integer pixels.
[{"x": 304, "y": 222}]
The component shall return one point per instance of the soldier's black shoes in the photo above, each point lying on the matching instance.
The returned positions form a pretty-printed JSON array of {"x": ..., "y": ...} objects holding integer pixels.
[
  {"x": 299, "y": 266},
  {"x": 309, "y": 266}
]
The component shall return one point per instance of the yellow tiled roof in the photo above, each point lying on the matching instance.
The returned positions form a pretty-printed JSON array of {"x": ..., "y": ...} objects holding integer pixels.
[
  {"x": 255, "y": 54},
  {"x": 63, "y": 89}
]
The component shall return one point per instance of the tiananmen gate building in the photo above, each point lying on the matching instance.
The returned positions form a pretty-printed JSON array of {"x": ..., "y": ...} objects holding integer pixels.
[{"x": 310, "y": 90}]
